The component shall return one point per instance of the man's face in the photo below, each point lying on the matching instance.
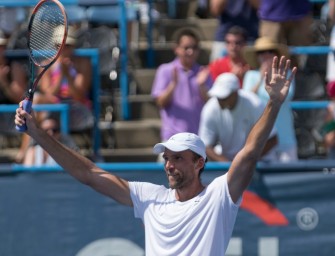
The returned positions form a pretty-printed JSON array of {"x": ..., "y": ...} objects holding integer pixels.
[
  {"x": 187, "y": 50},
  {"x": 234, "y": 45},
  {"x": 181, "y": 168},
  {"x": 229, "y": 102}
]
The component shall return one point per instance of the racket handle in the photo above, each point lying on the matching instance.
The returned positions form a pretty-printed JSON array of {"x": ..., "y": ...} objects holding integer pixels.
[{"x": 26, "y": 105}]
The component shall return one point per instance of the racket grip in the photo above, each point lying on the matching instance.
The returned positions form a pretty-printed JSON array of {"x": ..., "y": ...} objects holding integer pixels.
[{"x": 26, "y": 105}]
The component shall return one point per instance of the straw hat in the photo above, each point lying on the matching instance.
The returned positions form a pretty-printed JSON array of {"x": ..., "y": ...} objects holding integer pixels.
[{"x": 263, "y": 44}]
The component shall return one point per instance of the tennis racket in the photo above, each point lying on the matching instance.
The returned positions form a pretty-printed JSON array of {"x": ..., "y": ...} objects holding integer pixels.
[{"x": 47, "y": 31}]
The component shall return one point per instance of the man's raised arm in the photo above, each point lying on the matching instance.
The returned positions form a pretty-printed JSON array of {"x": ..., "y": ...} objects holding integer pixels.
[
  {"x": 75, "y": 164},
  {"x": 243, "y": 166}
]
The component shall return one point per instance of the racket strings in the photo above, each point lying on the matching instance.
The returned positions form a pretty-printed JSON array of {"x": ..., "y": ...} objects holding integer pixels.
[{"x": 47, "y": 33}]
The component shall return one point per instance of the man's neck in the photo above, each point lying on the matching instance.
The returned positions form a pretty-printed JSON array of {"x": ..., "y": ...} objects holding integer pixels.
[{"x": 188, "y": 193}]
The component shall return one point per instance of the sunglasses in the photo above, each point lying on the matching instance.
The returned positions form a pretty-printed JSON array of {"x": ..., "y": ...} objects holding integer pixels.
[
  {"x": 190, "y": 47},
  {"x": 267, "y": 51},
  {"x": 54, "y": 130},
  {"x": 232, "y": 42}
]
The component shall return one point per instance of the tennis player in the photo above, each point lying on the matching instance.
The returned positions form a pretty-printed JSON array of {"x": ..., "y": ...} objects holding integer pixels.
[{"x": 188, "y": 218}]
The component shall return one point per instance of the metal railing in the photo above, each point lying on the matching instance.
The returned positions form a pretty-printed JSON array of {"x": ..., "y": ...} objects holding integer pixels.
[{"x": 62, "y": 108}]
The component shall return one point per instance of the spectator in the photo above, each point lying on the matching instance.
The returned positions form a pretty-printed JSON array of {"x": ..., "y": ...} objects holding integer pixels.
[
  {"x": 233, "y": 62},
  {"x": 227, "y": 118},
  {"x": 330, "y": 74},
  {"x": 329, "y": 126},
  {"x": 260, "y": 56},
  {"x": 329, "y": 6},
  {"x": 13, "y": 85},
  {"x": 242, "y": 13},
  {"x": 10, "y": 20},
  {"x": 180, "y": 88},
  {"x": 287, "y": 22},
  {"x": 36, "y": 156},
  {"x": 13, "y": 78}
]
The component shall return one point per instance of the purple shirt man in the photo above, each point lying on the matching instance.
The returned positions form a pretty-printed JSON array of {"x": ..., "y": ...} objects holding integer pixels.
[{"x": 182, "y": 114}]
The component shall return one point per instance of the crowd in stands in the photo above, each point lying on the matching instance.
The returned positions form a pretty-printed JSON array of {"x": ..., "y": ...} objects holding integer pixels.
[
  {"x": 219, "y": 101},
  {"x": 249, "y": 35}
]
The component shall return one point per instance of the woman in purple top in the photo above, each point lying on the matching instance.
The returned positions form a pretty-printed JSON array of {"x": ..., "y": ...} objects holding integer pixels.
[{"x": 180, "y": 88}]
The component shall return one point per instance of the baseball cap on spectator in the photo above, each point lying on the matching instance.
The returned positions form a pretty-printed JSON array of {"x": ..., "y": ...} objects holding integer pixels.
[
  {"x": 182, "y": 141},
  {"x": 224, "y": 85}
]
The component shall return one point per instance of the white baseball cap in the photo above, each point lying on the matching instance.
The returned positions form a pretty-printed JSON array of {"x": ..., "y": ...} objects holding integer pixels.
[
  {"x": 224, "y": 85},
  {"x": 182, "y": 141}
]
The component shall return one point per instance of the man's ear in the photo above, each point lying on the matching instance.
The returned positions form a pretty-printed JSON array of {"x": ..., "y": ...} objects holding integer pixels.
[{"x": 200, "y": 163}]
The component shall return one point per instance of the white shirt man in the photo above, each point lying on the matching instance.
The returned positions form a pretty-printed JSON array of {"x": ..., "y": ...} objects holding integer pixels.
[{"x": 227, "y": 119}]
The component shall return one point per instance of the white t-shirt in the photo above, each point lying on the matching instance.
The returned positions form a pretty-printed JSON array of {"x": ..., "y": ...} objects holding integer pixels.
[
  {"x": 200, "y": 226},
  {"x": 230, "y": 128}
]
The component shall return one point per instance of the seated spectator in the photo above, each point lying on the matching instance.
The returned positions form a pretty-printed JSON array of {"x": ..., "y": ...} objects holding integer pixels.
[
  {"x": 329, "y": 126},
  {"x": 227, "y": 118},
  {"x": 233, "y": 61},
  {"x": 180, "y": 88},
  {"x": 36, "y": 155},
  {"x": 260, "y": 56},
  {"x": 13, "y": 85}
]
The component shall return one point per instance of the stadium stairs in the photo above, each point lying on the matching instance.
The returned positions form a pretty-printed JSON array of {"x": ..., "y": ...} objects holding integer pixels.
[{"x": 132, "y": 140}]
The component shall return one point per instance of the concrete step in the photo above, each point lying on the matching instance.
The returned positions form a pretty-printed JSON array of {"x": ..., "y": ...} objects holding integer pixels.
[
  {"x": 143, "y": 78},
  {"x": 163, "y": 53},
  {"x": 204, "y": 28},
  {"x": 136, "y": 134},
  {"x": 165, "y": 30},
  {"x": 185, "y": 8},
  {"x": 141, "y": 107},
  {"x": 129, "y": 155}
]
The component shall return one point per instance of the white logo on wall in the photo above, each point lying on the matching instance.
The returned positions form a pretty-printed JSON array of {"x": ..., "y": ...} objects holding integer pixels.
[
  {"x": 307, "y": 219},
  {"x": 111, "y": 246}
]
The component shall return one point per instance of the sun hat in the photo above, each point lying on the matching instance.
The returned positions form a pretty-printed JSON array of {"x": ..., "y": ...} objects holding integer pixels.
[
  {"x": 263, "y": 44},
  {"x": 182, "y": 141},
  {"x": 3, "y": 39},
  {"x": 224, "y": 85}
]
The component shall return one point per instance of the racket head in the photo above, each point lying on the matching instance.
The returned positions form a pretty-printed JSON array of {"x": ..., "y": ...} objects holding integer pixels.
[{"x": 47, "y": 32}]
